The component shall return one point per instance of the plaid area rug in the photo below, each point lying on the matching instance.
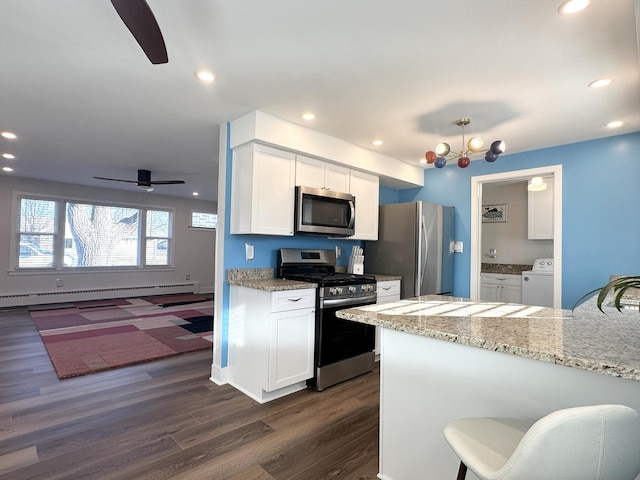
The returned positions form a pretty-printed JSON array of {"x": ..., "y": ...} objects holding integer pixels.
[{"x": 91, "y": 336}]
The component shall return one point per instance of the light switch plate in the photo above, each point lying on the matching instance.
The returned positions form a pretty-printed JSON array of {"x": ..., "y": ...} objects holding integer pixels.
[
  {"x": 458, "y": 246},
  {"x": 248, "y": 250}
]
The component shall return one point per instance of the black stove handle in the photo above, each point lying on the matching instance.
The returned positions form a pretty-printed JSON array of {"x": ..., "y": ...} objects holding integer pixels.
[{"x": 349, "y": 301}]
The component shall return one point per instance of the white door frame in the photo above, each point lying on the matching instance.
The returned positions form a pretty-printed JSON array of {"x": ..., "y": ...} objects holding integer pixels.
[{"x": 476, "y": 224}]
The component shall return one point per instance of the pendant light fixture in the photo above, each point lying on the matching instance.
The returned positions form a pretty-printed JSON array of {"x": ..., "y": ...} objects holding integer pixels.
[{"x": 443, "y": 152}]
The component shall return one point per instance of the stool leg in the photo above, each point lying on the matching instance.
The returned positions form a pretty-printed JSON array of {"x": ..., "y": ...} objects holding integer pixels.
[{"x": 462, "y": 471}]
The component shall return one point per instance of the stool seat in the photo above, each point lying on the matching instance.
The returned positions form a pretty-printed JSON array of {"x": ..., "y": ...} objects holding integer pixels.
[{"x": 600, "y": 442}]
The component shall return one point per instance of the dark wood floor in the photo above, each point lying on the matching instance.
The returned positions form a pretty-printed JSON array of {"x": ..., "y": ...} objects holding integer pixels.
[{"x": 166, "y": 419}]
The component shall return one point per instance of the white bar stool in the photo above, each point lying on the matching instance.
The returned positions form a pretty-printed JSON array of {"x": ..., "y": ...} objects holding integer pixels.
[{"x": 600, "y": 442}]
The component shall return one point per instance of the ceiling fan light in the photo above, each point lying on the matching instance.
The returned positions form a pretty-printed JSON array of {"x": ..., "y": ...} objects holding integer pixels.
[
  {"x": 443, "y": 149},
  {"x": 536, "y": 185},
  {"x": 498, "y": 147},
  {"x": 475, "y": 144}
]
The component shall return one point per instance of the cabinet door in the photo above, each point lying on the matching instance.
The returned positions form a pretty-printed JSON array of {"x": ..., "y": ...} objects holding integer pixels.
[
  {"x": 262, "y": 190},
  {"x": 309, "y": 172},
  {"x": 540, "y": 212},
  {"x": 336, "y": 178},
  {"x": 511, "y": 294},
  {"x": 490, "y": 292},
  {"x": 365, "y": 188},
  {"x": 291, "y": 347}
]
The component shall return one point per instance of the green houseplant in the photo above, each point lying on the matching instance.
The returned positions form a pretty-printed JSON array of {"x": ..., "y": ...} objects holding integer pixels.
[{"x": 620, "y": 285}]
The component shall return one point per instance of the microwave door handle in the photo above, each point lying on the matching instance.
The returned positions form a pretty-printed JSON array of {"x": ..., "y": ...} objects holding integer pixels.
[{"x": 352, "y": 207}]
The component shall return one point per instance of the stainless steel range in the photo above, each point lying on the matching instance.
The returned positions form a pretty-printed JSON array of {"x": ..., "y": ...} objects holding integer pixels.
[{"x": 343, "y": 349}]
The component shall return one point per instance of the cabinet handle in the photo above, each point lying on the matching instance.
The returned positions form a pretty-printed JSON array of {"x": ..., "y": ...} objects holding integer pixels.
[
  {"x": 294, "y": 299},
  {"x": 386, "y": 288}
]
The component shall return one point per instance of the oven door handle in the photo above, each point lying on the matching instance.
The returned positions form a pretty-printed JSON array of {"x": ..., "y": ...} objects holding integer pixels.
[{"x": 345, "y": 302}]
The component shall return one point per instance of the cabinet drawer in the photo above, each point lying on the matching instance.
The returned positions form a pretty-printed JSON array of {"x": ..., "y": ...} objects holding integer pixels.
[
  {"x": 388, "y": 287},
  {"x": 501, "y": 279},
  {"x": 293, "y": 299}
]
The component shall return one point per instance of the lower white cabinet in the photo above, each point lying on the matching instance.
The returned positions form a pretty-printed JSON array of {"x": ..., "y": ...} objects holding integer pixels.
[
  {"x": 271, "y": 341},
  {"x": 387, "y": 291},
  {"x": 497, "y": 287}
]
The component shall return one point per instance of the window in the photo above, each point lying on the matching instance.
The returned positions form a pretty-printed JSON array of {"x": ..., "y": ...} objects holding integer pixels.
[
  {"x": 204, "y": 220},
  {"x": 37, "y": 228},
  {"x": 95, "y": 235}
]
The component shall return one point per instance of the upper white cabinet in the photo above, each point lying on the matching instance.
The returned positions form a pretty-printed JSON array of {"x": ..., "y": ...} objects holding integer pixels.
[
  {"x": 365, "y": 188},
  {"x": 311, "y": 172},
  {"x": 540, "y": 222},
  {"x": 262, "y": 190}
]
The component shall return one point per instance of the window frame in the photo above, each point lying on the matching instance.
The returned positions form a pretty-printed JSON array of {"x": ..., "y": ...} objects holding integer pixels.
[
  {"x": 59, "y": 241},
  {"x": 203, "y": 229}
]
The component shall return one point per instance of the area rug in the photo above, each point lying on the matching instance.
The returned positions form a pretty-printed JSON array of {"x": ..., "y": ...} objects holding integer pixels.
[{"x": 91, "y": 336}]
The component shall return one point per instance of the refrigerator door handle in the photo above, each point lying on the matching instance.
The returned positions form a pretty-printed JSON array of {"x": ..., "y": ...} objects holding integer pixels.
[{"x": 423, "y": 260}]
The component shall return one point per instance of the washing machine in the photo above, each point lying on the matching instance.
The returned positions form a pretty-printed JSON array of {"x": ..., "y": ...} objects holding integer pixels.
[{"x": 537, "y": 283}]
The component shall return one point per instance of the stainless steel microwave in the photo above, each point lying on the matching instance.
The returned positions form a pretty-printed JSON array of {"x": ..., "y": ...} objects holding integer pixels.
[{"x": 324, "y": 212}]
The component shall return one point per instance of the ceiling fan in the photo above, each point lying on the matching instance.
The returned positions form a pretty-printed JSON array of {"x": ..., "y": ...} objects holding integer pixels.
[
  {"x": 139, "y": 19},
  {"x": 144, "y": 181}
]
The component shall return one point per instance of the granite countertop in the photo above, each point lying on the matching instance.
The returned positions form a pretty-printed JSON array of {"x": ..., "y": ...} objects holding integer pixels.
[
  {"x": 586, "y": 338},
  {"x": 505, "y": 268},
  {"x": 263, "y": 279}
]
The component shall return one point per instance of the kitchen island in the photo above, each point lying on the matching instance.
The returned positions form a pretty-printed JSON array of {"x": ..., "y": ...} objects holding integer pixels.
[{"x": 445, "y": 358}]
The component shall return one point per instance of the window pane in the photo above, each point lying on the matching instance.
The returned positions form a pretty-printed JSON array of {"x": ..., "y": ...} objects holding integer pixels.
[
  {"x": 102, "y": 235},
  {"x": 157, "y": 251},
  {"x": 204, "y": 220},
  {"x": 36, "y": 228},
  {"x": 158, "y": 223}
]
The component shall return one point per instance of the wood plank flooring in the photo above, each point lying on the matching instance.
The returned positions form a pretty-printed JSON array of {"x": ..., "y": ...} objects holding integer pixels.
[{"x": 167, "y": 420}]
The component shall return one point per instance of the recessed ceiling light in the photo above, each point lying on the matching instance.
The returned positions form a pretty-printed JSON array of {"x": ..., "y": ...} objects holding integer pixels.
[
  {"x": 377, "y": 143},
  {"x": 309, "y": 116},
  {"x": 615, "y": 124},
  {"x": 602, "y": 82},
  {"x": 569, "y": 7},
  {"x": 7, "y": 169},
  {"x": 195, "y": 194},
  {"x": 8, "y": 156},
  {"x": 205, "y": 75},
  {"x": 9, "y": 135}
]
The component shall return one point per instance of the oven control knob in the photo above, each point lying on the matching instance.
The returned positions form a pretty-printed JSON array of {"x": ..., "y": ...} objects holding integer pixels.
[{"x": 352, "y": 289}]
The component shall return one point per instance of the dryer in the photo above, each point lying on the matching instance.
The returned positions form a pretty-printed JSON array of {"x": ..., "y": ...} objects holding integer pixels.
[{"x": 537, "y": 283}]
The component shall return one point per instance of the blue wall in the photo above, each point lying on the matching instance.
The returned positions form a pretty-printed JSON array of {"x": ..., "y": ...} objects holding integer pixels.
[
  {"x": 600, "y": 211},
  {"x": 601, "y": 215}
]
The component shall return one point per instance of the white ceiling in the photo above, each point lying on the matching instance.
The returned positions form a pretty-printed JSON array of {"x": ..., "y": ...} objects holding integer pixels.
[{"x": 85, "y": 101}]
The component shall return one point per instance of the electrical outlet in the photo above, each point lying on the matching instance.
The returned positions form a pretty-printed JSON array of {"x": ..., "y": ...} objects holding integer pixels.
[
  {"x": 338, "y": 251},
  {"x": 458, "y": 246},
  {"x": 187, "y": 277},
  {"x": 59, "y": 282}
]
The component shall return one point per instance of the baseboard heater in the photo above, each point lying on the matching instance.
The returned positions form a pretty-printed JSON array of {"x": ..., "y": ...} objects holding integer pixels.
[{"x": 38, "y": 298}]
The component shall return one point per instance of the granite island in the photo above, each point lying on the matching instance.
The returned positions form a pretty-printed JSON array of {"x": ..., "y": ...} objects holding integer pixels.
[{"x": 445, "y": 358}]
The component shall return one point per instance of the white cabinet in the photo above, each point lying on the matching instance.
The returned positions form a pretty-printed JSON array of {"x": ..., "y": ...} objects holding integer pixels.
[
  {"x": 262, "y": 190},
  {"x": 387, "y": 291},
  {"x": 311, "y": 172},
  {"x": 497, "y": 287},
  {"x": 365, "y": 188},
  {"x": 271, "y": 341},
  {"x": 540, "y": 212}
]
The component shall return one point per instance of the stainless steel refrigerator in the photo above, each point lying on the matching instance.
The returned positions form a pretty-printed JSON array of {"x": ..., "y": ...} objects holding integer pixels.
[{"x": 415, "y": 240}]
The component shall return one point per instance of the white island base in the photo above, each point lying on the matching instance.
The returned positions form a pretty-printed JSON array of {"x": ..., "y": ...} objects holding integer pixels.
[{"x": 426, "y": 383}]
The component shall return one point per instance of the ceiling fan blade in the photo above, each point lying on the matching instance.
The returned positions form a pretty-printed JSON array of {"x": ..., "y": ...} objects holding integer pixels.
[
  {"x": 115, "y": 179},
  {"x": 167, "y": 182},
  {"x": 139, "y": 19}
]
